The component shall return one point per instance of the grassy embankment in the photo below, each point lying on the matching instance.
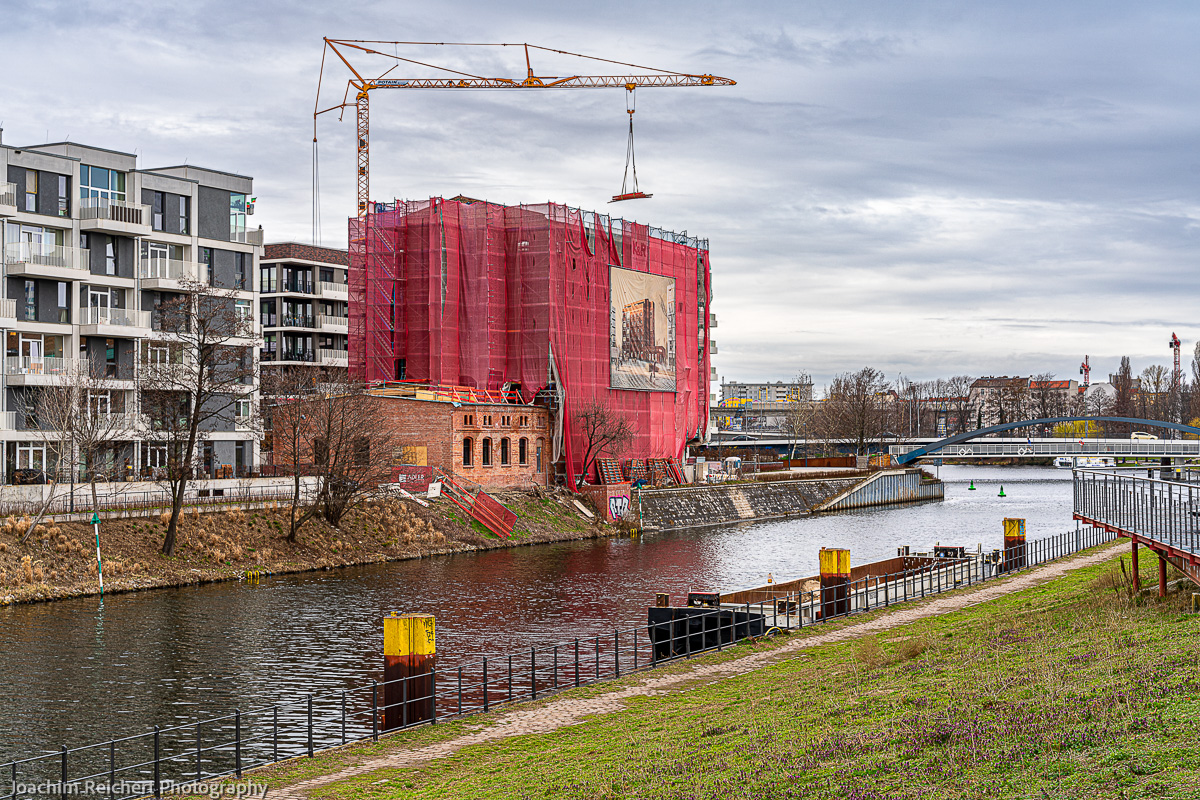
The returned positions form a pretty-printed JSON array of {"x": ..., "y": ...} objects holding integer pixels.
[
  {"x": 59, "y": 559},
  {"x": 1066, "y": 690}
]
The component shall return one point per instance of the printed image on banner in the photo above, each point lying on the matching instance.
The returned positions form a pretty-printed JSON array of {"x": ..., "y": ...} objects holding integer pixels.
[{"x": 641, "y": 331}]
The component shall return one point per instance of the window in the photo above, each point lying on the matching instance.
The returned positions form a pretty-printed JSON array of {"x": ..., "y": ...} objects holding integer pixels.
[
  {"x": 64, "y": 206},
  {"x": 242, "y": 273},
  {"x": 505, "y": 422},
  {"x": 523, "y": 452},
  {"x": 64, "y": 310},
  {"x": 155, "y": 456},
  {"x": 467, "y": 446},
  {"x": 468, "y": 420},
  {"x": 110, "y": 257},
  {"x": 107, "y": 184},
  {"x": 158, "y": 354},
  {"x": 237, "y": 217},
  {"x": 206, "y": 258},
  {"x": 242, "y": 409},
  {"x": 326, "y": 275},
  {"x": 157, "y": 205},
  {"x": 486, "y": 459},
  {"x": 266, "y": 279},
  {"x": 31, "y": 184},
  {"x": 182, "y": 215},
  {"x": 242, "y": 307},
  {"x": 362, "y": 450},
  {"x": 31, "y": 456},
  {"x": 537, "y": 463},
  {"x": 504, "y": 452},
  {"x": 487, "y": 420},
  {"x": 99, "y": 403},
  {"x": 110, "y": 358},
  {"x": 30, "y": 300}
]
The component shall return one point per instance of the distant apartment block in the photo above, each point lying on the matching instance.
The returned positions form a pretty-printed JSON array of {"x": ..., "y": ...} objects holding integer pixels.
[
  {"x": 777, "y": 392},
  {"x": 303, "y": 307},
  {"x": 92, "y": 246}
]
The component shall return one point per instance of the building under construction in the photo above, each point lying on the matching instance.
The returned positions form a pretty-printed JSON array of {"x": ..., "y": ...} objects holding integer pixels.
[{"x": 537, "y": 304}]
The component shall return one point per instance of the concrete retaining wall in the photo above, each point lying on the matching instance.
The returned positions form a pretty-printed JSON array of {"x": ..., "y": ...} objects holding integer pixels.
[
  {"x": 882, "y": 488},
  {"x": 697, "y": 506}
]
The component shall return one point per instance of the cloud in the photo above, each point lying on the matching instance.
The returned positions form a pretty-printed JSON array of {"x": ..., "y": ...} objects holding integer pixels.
[{"x": 930, "y": 188}]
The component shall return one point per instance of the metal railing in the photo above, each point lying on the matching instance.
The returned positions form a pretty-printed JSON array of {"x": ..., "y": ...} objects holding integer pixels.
[
  {"x": 8, "y": 194},
  {"x": 124, "y": 502},
  {"x": 8, "y": 308},
  {"x": 114, "y": 210},
  {"x": 295, "y": 321},
  {"x": 333, "y": 289},
  {"x": 1164, "y": 511},
  {"x": 46, "y": 365},
  {"x": 47, "y": 255},
  {"x": 1041, "y": 448},
  {"x": 158, "y": 760},
  {"x": 124, "y": 317},
  {"x": 254, "y": 237}
]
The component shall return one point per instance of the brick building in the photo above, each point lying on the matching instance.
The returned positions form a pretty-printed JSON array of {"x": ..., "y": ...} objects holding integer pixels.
[{"x": 494, "y": 445}]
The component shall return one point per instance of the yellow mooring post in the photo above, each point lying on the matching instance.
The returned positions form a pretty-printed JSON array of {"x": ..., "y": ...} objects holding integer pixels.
[
  {"x": 1014, "y": 543},
  {"x": 835, "y": 582},
  {"x": 409, "y": 656}
]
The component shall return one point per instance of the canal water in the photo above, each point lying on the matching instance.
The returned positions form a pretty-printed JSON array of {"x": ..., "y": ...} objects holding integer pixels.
[{"x": 80, "y": 671}]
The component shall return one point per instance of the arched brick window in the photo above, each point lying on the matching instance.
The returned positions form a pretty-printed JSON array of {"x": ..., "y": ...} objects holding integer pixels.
[
  {"x": 468, "y": 445},
  {"x": 523, "y": 452},
  {"x": 486, "y": 458}
]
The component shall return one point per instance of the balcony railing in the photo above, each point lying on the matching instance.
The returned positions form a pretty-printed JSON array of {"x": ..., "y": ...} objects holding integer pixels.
[
  {"x": 8, "y": 194},
  {"x": 336, "y": 289},
  {"x": 168, "y": 269},
  {"x": 44, "y": 255},
  {"x": 43, "y": 365},
  {"x": 297, "y": 287},
  {"x": 295, "y": 321},
  {"x": 8, "y": 420},
  {"x": 336, "y": 357},
  {"x": 254, "y": 237},
  {"x": 328, "y": 321},
  {"x": 114, "y": 211},
  {"x": 241, "y": 421},
  {"x": 8, "y": 308},
  {"x": 296, "y": 355},
  {"x": 98, "y": 315}
]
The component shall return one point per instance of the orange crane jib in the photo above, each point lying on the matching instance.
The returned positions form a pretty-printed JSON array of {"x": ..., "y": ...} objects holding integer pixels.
[{"x": 360, "y": 86}]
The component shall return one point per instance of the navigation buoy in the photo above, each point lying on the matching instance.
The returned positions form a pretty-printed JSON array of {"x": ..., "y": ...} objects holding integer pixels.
[
  {"x": 971, "y": 488},
  {"x": 1002, "y": 494}
]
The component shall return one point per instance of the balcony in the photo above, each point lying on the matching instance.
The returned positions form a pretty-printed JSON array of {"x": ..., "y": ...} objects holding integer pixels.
[
  {"x": 712, "y": 347},
  {"x": 38, "y": 371},
  {"x": 8, "y": 420},
  {"x": 339, "y": 324},
  {"x": 8, "y": 199},
  {"x": 46, "y": 261},
  {"x": 337, "y": 291},
  {"x": 8, "y": 310},
  {"x": 242, "y": 422},
  {"x": 295, "y": 321},
  {"x": 103, "y": 321},
  {"x": 253, "y": 237},
  {"x": 168, "y": 274},
  {"x": 334, "y": 358},
  {"x": 114, "y": 216},
  {"x": 296, "y": 287},
  {"x": 301, "y": 356}
]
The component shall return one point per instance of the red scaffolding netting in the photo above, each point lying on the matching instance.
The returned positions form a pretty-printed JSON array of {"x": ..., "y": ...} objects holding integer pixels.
[{"x": 537, "y": 299}]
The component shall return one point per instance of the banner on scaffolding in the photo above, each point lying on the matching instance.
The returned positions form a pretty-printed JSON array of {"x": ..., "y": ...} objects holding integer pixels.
[{"x": 641, "y": 331}]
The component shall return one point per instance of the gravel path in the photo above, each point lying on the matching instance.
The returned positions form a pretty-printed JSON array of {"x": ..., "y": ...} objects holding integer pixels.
[{"x": 570, "y": 711}]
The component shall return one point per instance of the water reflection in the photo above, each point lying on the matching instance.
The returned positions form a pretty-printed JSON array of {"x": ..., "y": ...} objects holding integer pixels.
[{"x": 80, "y": 670}]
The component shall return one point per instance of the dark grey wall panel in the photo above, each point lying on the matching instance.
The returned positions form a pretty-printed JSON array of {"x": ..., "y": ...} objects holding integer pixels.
[{"x": 214, "y": 214}]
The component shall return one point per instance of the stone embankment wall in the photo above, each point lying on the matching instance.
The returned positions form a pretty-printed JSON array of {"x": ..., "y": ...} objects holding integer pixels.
[{"x": 696, "y": 506}]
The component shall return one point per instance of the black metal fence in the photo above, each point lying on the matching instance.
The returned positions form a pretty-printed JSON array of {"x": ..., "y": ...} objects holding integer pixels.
[
  {"x": 165, "y": 758},
  {"x": 1166, "y": 511}
]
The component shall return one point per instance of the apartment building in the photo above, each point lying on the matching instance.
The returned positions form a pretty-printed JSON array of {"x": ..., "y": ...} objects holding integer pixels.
[
  {"x": 733, "y": 392},
  {"x": 92, "y": 244},
  {"x": 303, "y": 306}
]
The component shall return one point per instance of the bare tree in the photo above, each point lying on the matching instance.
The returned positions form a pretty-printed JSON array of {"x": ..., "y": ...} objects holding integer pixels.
[
  {"x": 196, "y": 374},
  {"x": 798, "y": 415},
  {"x": 958, "y": 403},
  {"x": 327, "y": 427},
  {"x": 855, "y": 403},
  {"x": 604, "y": 430},
  {"x": 1126, "y": 390},
  {"x": 79, "y": 420},
  {"x": 1155, "y": 395}
]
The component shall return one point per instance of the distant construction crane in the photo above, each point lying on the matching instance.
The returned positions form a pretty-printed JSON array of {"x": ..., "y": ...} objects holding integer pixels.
[
  {"x": 361, "y": 85},
  {"x": 1085, "y": 369},
  {"x": 1175, "y": 344}
]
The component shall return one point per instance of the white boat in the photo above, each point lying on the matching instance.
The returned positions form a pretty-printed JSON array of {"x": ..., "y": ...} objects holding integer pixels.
[{"x": 1087, "y": 462}]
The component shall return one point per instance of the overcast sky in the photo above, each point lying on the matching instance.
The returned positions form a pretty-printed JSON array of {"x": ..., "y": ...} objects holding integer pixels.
[{"x": 928, "y": 188}]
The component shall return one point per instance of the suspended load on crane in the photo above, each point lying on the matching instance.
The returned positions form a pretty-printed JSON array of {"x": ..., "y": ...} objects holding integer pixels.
[{"x": 630, "y": 159}]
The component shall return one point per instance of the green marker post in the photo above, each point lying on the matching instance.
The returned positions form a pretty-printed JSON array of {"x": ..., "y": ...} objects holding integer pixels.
[{"x": 99, "y": 565}]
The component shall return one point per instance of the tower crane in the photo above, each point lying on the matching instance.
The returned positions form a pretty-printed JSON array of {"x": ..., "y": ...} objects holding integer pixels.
[
  {"x": 361, "y": 84},
  {"x": 1175, "y": 344}
]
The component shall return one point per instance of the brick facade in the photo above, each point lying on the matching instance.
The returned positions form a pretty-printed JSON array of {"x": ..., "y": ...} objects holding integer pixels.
[
  {"x": 433, "y": 432},
  {"x": 306, "y": 252}
]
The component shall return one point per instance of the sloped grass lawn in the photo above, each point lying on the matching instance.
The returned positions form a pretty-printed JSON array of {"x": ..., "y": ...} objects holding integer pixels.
[{"x": 1066, "y": 690}]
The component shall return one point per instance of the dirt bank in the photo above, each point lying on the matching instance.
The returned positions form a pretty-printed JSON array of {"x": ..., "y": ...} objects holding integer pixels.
[{"x": 58, "y": 560}]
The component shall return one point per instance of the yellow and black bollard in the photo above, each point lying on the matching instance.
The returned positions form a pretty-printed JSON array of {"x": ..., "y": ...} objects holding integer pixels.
[
  {"x": 1014, "y": 544},
  {"x": 409, "y": 658},
  {"x": 835, "y": 582}
]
